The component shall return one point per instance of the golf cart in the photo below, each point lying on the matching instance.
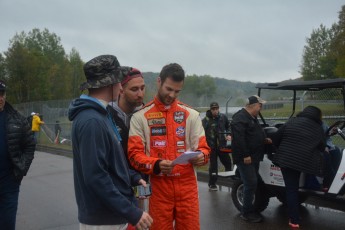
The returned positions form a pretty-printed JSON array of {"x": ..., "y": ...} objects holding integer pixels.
[{"x": 329, "y": 96}]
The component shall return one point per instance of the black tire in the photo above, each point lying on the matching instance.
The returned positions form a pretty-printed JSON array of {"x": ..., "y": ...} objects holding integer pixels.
[
  {"x": 237, "y": 194},
  {"x": 281, "y": 196},
  {"x": 261, "y": 199}
]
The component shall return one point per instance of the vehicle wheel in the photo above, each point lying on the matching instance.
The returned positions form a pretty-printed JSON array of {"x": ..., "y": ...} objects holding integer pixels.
[
  {"x": 260, "y": 199},
  {"x": 237, "y": 194},
  {"x": 281, "y": 196}
]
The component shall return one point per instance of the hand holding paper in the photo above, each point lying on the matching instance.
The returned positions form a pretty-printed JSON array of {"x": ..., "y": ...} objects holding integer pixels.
[
  {"x": 198, "y": 160},
  {"x": 166, "y": 166}
]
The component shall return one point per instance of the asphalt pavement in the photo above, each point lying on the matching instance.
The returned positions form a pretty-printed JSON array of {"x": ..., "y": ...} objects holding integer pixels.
[{"x": 47, "y": 202}]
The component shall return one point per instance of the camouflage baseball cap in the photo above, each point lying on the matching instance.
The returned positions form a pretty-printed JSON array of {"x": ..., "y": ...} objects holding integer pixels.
[{"x": 101, "y": 71}]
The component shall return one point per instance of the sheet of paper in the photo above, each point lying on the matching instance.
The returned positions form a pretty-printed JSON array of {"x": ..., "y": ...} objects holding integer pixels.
[{"x": 185, "y": 157}]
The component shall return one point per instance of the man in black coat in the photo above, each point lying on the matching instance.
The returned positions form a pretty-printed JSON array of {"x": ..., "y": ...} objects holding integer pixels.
[
  {"x": 17, "y": 149},
  {"x": 248, "y": 139}
]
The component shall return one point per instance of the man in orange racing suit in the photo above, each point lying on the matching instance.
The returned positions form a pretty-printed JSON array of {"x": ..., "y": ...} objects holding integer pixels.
[{"x": 160, "y": 132}]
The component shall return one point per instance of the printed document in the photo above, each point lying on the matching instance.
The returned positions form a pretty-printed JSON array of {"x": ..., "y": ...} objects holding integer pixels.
[{"x": 185, "y": 157}]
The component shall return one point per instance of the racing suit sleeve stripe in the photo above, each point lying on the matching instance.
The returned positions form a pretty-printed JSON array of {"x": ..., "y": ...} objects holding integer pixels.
[
  {"x": 137, "y": 157},
  {"x": 137, "y": 148},
  {"x": 204, "y": 149}
]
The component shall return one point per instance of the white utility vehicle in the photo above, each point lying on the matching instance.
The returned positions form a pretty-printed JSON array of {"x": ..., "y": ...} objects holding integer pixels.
[{"x": 271, "y": 183}]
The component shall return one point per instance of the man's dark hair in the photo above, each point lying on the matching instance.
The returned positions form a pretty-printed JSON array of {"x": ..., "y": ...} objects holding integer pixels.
[{"x": 173, "y": 71}]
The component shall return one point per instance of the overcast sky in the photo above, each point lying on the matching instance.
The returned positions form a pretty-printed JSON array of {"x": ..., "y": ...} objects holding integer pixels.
[{"x": 244, "y": 40}]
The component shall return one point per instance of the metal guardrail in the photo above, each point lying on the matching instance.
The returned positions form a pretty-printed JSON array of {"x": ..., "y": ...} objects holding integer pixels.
[
  {"x": 53, "y": 150},
  {"x": 202, "y": 175}
]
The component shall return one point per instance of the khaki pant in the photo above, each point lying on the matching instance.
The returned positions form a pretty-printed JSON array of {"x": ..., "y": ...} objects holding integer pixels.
[{"x": 102, "y": 227}]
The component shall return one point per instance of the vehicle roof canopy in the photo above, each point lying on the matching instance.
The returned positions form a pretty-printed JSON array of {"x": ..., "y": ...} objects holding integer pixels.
[{"x": 314, "y": 85}]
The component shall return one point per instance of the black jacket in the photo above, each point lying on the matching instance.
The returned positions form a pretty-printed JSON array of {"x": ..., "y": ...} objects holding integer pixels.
[
  {"x": 20, "y": 141},
  {"x": 300, "y": 143},
  {"x": 215, "y": 129},
  {"x": 247, "y": 137},
  {"x": 124, "y": 131}
]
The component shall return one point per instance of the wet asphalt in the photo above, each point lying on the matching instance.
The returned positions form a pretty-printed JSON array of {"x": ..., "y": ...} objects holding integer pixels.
[{"x": 47, "y": 202}]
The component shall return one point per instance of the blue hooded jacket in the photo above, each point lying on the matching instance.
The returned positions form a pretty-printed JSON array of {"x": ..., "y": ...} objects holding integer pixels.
[{"x": 101, "y": 175}]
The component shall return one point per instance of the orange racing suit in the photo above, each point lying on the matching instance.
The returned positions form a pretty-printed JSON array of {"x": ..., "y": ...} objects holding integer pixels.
[{"x": 160, "y": 132}]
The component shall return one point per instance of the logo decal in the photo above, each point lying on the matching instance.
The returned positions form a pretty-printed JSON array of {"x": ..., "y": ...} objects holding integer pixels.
[
  {"x": 181, "y": 150},
  {"x": 179, "y": 117},
  {"x": 160, "y": 121},
  {"x": 154, "y": 115},
  {"x": 180, "y": 131},
  {"x": 158, "y": 131},
  {"x": 159, "y": 143},
  {"x": 180, "y": 143}
]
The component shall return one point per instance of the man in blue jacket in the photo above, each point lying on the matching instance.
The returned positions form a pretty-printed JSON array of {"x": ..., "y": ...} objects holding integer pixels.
[{"x": 102, "y": 182}]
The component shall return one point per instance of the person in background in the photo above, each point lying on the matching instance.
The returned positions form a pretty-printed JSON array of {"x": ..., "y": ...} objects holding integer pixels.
[
  {"x": 217, "y": 130},
  {"x": 164, "y": 129},
  {"x": 17, "y": 147},
  {"x": 103, "y": 187},
  {"x": 57, "y": 129},
  {"x": 248, "y": 140},
  {"x": 130, "y": 100},
  {"x": 300, "y": 146},
  {"x": 36, "y": 125}
]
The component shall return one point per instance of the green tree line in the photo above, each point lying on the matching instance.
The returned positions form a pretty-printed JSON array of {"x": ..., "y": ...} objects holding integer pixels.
[
  {"x": 36, "y": 67},
  {"x": 324, "y": 53}
]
